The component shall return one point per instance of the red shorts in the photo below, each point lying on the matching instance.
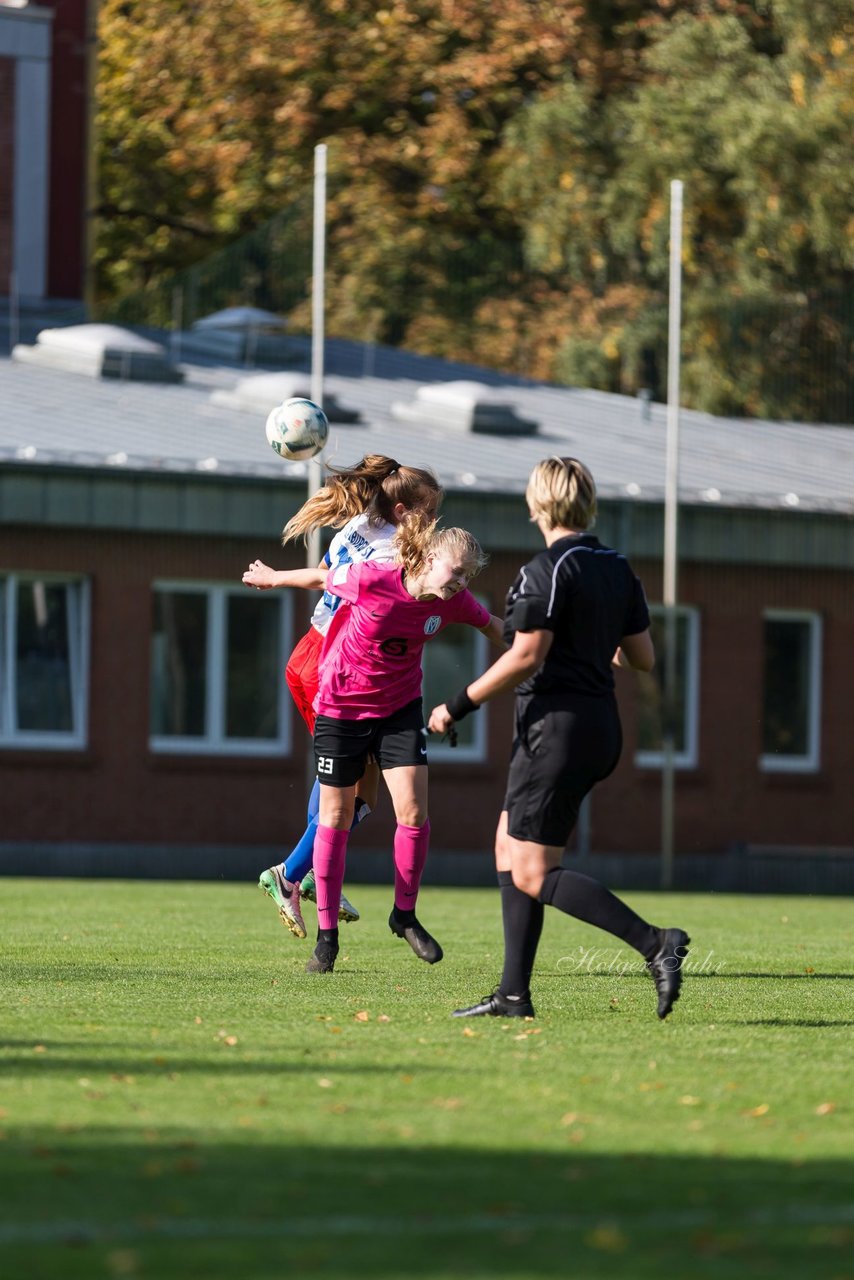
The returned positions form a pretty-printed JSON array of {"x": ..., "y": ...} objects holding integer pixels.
[{"x": 302, "y": 675}]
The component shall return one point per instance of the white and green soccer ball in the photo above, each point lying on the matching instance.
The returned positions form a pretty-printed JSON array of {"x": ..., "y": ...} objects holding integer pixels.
[{"x": 297, "y": 429}]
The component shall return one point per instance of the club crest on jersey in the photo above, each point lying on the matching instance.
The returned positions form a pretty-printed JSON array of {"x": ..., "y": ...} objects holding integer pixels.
[{"x": 432, "y": 625}]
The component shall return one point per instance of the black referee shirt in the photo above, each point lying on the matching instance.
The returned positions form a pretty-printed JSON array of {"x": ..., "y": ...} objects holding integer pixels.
[{"x": 589, "y": 597}]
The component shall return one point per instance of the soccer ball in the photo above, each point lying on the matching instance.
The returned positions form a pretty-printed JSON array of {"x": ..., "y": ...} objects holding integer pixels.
[{"x": 297, "y": 429}]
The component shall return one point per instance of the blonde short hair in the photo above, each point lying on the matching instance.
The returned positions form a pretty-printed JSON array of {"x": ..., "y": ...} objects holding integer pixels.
[{"x": 562, "y": 494}]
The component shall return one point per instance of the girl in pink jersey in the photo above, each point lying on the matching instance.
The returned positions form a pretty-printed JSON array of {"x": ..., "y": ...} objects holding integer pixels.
[
  {"x": 369, "y": 704},
  {"x": 365, "y": 503}
]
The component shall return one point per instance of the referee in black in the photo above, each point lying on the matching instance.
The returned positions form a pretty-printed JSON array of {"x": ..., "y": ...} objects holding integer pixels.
[{"x": 575, "y": 610}]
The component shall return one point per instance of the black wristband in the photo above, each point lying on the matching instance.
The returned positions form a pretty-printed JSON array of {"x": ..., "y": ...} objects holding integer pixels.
[{"x": 460, "y": 705}]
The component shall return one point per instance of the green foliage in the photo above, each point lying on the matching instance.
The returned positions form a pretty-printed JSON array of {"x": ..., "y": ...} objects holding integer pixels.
[
  {"x": 499, "y": 178},
  {"x": 180, "y": 1099}
]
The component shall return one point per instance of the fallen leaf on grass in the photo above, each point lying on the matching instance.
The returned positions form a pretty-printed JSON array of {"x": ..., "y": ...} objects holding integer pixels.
[
  {"x": 608, "y": 1238},
  {"x": 688, "y": 1100},
  {"x": 39, "y": 1048},
  {"x": 467, "y": 1031},
  {"x": 448, "y": 1104},
  {"x": 825, "y": 1108},
  {"x": 569, "y": 1118},
  {"x": 809, "y": 969},
  {"x": 362, "y": 1016},
  {"x": 324, "y": 1083},
  {"x": 383, "y": 1017},
  {"x": 761, "y": 1110}
]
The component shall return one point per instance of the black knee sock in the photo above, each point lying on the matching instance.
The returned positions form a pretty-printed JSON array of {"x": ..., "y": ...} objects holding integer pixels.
[
  {"x": 523, "y": 924},
  {"x": 328, "y": 936},
  {"x": 588, "y": 900}
]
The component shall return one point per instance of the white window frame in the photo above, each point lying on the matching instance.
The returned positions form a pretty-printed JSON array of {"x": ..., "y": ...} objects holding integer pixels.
[
  {"x": 688, "y": 757},
  {"x": 811, "y": 761},
  {"x": 79, "y": 631},
  {"x": 214, "y": 741},
  {"x": 475, "y": 752}
]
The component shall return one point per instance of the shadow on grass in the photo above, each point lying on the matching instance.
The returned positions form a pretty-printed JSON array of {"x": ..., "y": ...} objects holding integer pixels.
[
  {"x": 80, "y": 1207},
  {"x": 791, "y": 1022},
  {"x": 59, "y": 1063}
]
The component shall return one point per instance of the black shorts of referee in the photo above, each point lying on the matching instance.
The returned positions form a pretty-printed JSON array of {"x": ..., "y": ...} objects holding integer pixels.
[
  {"x": 563, "y": 744},
  {"x": 342, "y": 748}
]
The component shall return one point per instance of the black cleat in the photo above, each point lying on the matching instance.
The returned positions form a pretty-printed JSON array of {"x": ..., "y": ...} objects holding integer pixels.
[
  {"x": 498, "y": 1005},
  {"x": 323, "y": 959},
  {"x": 422, "y": 943},
  {"x": 666, "y": 967}
]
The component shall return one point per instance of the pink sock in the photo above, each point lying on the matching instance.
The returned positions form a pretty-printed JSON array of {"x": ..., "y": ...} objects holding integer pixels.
[
  {"x": 410, "y": 854},
  {"x": 330, "y": 853}
]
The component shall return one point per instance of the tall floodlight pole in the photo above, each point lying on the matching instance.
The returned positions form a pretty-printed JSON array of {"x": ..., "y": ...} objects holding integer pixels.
[
  {"x": 671, "y": 511},
  {"x": 318, "y": 301}
]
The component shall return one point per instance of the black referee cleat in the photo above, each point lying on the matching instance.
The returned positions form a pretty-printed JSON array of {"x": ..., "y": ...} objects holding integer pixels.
[
  {"x": 323, "y": 960},
  {"x": 422, "y": 943},
  {"x": 498, "y": 1005},
  {"x": 666, "y": 967}
]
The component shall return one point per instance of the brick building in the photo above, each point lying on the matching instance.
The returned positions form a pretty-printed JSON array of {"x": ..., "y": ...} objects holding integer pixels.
[{"x": 144, "y": 726}]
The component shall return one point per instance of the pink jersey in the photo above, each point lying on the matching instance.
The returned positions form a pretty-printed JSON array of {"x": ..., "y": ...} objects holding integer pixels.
[{"x": 371, "y": 661}]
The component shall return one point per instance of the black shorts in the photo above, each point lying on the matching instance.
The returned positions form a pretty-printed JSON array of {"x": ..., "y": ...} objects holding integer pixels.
[
  {"x": 342, "y": 747},
  {"x": 563, "y": 745}
]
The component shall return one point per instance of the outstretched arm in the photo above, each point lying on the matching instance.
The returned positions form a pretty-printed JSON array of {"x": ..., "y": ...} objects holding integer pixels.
[
  {"x": 494, "y": 631},
  {"x": 263, "y": 578},
  {"x": 528, "y": 652}
]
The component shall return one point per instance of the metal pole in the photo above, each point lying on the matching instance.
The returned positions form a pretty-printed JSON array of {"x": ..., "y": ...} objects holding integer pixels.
[
  {"x": 671, "y": 498},
  {"x": 177, "y": 322},
  {"x": 14, "y": 312},
  {"x": 318, "y": 298}
]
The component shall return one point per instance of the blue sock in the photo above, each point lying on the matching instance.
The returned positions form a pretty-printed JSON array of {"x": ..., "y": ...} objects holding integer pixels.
[
  {"x": 314, "y": 802},
  {"x": 299, "y": 861}
]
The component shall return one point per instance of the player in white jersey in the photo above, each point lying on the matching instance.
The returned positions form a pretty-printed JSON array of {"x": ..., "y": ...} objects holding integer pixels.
[{"x": 372, "y": 497}]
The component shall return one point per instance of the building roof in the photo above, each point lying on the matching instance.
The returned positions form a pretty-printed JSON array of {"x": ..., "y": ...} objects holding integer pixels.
[{"x": 53, "y": 417}]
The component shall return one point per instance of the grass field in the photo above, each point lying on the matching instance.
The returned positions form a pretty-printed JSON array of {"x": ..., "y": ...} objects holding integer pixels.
[{"x": 179, "y": 1099}]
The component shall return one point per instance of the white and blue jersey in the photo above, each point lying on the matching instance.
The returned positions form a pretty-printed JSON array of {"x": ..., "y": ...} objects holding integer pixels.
[{"x": 358, "y": 540}]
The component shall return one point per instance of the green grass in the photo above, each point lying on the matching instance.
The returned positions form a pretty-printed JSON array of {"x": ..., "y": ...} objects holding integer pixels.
[{"x": 179, "y": 1099}]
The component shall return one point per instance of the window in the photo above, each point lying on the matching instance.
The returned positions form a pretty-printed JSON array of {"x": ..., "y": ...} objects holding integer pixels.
[
  {"x": 44, "y": 660},
  {"x": 217, "y": 661},
  {"x": 456, "y": 657},
  {"x": 650, "y": 751},
  {"x": 791, "y": 691}
]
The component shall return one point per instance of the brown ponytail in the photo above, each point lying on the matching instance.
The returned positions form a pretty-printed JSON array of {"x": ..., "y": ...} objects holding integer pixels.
[{"x": 375, "y": 484}]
